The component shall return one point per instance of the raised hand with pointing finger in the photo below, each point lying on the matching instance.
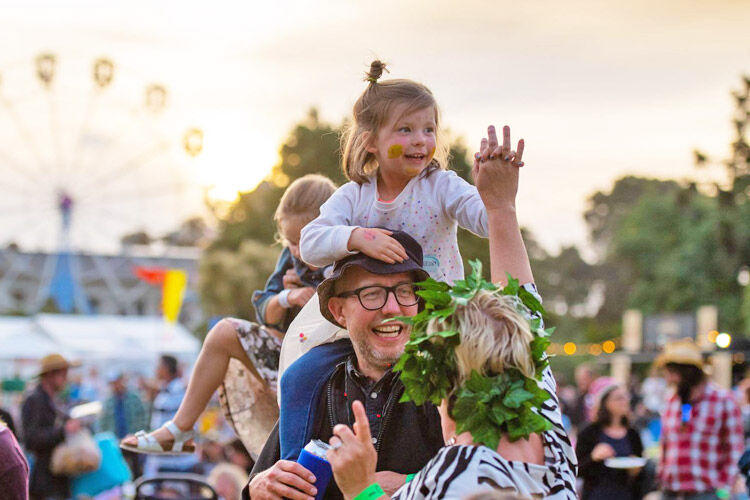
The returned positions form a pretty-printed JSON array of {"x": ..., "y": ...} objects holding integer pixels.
[{"x": 353, "y": 457}]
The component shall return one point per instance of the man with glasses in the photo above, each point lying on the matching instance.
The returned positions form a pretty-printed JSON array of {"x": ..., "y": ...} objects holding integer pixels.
[{"x": 319, "y": 388}]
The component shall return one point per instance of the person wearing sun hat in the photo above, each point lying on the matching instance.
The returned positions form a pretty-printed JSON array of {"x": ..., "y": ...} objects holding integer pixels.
[
  {"x": 45, "y": 426},
  {"x": 317, "y": 389},
  {"x": 702, "y": 436}
]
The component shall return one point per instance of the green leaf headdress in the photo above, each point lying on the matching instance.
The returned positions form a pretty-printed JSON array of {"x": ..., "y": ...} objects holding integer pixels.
[{"x": 487, "y": 405}]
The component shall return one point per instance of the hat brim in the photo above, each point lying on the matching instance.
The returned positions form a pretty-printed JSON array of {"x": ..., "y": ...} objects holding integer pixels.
[
  {"x": 662, "y": 360},
  {"x": 61, "y": 366},
  {"x": 327, "y": 287}
]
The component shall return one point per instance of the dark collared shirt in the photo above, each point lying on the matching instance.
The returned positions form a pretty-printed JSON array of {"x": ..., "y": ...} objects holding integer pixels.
[{"x": 373, "y": 394}]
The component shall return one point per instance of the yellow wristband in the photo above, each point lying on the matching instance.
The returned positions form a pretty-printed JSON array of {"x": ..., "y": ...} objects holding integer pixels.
[{"x": 371, "y": 492}]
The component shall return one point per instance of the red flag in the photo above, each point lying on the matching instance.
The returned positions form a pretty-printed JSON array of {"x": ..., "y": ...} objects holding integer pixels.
[{"x": 151, "y": 275}]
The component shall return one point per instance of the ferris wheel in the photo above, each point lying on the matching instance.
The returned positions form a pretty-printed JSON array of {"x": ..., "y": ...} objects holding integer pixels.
[{"x": 88, "y": 153}]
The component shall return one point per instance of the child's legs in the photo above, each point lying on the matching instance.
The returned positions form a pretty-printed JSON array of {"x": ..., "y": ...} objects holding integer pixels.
[{"x": 222, "y": 343}]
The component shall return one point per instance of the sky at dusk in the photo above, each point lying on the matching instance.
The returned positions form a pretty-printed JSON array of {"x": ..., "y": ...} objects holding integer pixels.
[{"x": 597, "y": 89}]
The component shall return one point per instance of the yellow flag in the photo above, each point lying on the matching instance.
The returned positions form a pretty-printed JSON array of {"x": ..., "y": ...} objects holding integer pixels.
[{"x": 173, "y": 291}]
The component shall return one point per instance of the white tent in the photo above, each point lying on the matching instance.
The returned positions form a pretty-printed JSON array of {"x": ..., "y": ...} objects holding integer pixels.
[
  {"x": 118, "y": 338},
  {"x": 22, "y": 339}
]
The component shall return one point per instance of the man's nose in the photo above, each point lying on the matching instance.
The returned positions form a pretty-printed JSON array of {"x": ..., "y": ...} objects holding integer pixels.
[{"x": 391, "y": 304}]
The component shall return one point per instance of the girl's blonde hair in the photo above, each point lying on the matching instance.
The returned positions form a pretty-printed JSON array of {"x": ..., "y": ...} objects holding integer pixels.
[
  {"x": 495, "y": 336},
  {"x": 372, "y": 110},
  {"x": 302, "y": 199}
]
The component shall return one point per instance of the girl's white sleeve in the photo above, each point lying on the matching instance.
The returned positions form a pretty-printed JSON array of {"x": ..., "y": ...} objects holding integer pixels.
[
  {"x": 324, "y": 240},
  {"x": 462, "y": 202}
]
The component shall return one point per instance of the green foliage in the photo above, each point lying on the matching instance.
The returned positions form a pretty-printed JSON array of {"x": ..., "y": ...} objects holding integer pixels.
[
  {"x": 227, "y": 278},
  {"x": 488, "y": 406}
]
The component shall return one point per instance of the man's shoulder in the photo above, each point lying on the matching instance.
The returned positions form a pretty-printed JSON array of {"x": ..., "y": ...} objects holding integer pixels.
[
  {"x": 36, "y": 396},
  {"x": 717, "y": 394}
]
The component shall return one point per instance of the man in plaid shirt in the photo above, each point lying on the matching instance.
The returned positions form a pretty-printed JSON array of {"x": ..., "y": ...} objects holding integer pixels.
[{"x": 702, "y": 435}]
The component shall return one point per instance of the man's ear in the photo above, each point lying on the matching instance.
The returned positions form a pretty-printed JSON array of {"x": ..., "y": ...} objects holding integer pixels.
[
  {"x": 369, "y": 140},
  {"x": 336, "y": 308}
]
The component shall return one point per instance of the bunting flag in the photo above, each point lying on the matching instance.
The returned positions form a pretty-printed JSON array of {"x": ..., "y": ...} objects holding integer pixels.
[
  {"x": 173, "y": 283},
  {"x": 151, "y": 275},
  {"x": 173, "y": 291}
]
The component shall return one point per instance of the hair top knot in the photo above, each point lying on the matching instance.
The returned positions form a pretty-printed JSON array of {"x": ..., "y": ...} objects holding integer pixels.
[{"x": 376, "y": 71}]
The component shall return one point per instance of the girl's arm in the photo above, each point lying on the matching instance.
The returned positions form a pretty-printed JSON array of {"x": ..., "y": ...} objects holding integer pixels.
[
  {"x": 332, "y": 236},
  {"x": 267, "y": 310},
  {"x": 497, "y": 183},
  {"x": 461, "y": 202},
  {"x": 324, "y": 240}
]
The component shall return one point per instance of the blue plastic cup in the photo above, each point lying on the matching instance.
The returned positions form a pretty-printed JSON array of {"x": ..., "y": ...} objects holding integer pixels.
[{"x": 313, "y": 458}]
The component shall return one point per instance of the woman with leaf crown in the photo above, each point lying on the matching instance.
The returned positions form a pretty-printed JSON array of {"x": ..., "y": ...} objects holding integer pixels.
[{"x": 478, "y": 350}]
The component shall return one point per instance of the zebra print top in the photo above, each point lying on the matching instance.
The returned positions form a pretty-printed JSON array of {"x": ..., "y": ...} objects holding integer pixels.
[{"x": 461, "y": 470}]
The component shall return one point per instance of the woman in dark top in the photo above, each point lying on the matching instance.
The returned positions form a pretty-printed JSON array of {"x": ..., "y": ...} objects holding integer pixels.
[{"x": 609, "y": 435}]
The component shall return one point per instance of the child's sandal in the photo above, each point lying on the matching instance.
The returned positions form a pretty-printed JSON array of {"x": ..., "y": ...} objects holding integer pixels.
[{"x": 147, "y": 443}]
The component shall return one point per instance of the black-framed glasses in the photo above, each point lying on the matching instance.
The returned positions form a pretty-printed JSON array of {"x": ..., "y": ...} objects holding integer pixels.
[{"x": 374, "y": 297}]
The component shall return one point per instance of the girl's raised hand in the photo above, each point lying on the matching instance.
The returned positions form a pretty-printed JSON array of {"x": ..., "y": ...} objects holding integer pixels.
[
  {"x": 353, "y": 457},
  {"x": 378, "y": 244},
  {"x": 495, "y": 170}
]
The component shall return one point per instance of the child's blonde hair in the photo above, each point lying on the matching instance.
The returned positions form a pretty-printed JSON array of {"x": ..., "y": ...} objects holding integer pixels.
[
  {"x": 372, "y": 110},
  {"x": 495, "y": 336},
  {"x": 302, "y": 199}
]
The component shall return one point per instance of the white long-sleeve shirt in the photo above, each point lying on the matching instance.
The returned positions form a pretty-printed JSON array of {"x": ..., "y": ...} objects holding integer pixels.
[{"x": 430, "y": 208}]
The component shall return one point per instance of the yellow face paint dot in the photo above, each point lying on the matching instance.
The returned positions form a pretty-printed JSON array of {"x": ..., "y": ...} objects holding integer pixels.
[
  {"x": 395, "y": 151},
  {"x": 431, "y": 155}
]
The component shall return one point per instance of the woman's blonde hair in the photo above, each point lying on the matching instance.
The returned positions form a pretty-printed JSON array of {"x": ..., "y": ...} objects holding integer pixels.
[
  {"x": 495, "y": 336},
  {"x": 372, "y": 110},
  {"x": 302, "y": 199}
]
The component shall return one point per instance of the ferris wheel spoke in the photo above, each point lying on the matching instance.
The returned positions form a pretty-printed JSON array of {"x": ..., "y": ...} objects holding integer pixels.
[
  {"x": 128, "y": 167},
  {"x": 21, "y": 207},
  {"x": 25, "y": 223},
  {"x": 76, "y": 166},
  {"x": 23, "y": 130},
  {"x": 152, "y": 192},
  {"x": 27, "y": 173},
  {"x": 59, "y": 164}
]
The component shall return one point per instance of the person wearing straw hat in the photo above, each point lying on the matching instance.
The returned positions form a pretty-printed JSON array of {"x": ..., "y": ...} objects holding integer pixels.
[
  {"x": 702, "y": 437},
  {"x": 45, "y": 426}
]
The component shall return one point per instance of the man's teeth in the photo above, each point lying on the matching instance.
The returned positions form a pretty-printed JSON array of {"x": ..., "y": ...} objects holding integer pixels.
[{"x": 388, "y": 331}]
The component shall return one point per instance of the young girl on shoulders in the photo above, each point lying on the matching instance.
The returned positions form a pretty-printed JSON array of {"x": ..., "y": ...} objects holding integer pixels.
[{"x": 397, "y": 161}]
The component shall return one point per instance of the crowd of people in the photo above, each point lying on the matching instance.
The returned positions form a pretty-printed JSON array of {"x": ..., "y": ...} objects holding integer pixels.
[{"x": 418, "y": 380}]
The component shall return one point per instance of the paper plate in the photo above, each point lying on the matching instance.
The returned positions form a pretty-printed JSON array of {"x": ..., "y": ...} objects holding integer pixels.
[{"x": 625, "y": 462}]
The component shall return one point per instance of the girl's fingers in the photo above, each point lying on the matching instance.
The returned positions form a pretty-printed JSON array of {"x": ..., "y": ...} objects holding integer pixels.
[
  {"x": 519, "y": 151},
  {"x": 496, "y": 153},
  {"x": 506, "y": 138},
  {"x": 361, "y": 424},
  {"x": 400, "y": 251}
]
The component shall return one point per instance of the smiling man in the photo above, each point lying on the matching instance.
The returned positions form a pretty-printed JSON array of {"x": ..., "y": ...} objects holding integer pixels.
[{"x": 319, "y": 388}]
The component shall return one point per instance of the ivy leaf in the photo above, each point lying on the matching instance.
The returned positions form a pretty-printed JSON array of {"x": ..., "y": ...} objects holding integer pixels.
[
  {"x": 478, "y": 383},
  {"x": 499, "y": 414},
  {"x": 539, "y": 347},
  {"x": 431, "y": 284},
  {"x": 516, "y": 396},
  {"x": 530, "y": 301}
]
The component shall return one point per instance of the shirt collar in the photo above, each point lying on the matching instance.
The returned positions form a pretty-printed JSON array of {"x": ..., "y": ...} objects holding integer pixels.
[{"x": 364, "y": 382}]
